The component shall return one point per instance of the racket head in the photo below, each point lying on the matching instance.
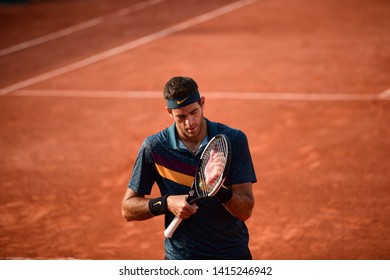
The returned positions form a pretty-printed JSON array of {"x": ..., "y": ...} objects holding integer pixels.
[{"x": 218, "y": 144}]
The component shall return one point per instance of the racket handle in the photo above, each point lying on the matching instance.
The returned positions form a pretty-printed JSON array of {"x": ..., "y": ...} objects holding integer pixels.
[{"x": 172, "y": 227}]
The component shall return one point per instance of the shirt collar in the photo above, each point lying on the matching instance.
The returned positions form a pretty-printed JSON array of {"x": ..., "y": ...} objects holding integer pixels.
[{"x": 204, "y": 143}]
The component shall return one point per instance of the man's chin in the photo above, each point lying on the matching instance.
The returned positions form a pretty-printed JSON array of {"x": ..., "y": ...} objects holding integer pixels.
[{"x": 192, "y": 133}]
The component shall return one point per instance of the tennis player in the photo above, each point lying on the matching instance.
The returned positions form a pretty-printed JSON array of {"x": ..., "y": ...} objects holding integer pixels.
[{"x": 213, "y": 228}]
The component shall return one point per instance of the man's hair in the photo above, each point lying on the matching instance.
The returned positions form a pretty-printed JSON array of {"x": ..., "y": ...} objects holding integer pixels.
[{"x": 178, "y": 87}]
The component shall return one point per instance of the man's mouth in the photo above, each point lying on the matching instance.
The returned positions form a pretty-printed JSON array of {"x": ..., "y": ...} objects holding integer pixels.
[{"x": 192, "y": 129}]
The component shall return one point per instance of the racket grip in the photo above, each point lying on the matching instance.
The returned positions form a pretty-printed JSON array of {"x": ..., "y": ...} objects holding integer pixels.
[{"x": 172, "y": 227}]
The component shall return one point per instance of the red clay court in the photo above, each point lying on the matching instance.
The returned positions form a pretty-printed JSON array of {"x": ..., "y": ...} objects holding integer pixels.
[{"x": 81, "y": 88}]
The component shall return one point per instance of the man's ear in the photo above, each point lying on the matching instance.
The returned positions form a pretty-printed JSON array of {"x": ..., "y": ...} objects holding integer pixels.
[
  {"x": 202, "y": 101},
  {"x": 169, "y": 111}
]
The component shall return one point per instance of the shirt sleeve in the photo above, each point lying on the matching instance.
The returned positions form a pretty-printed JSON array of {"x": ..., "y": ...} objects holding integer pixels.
[
  {"x": 144, "y": 171},
  {"x": 241, "y": 166}
]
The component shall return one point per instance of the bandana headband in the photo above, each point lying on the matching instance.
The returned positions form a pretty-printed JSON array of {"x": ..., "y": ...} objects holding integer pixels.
[{"x": 183, "y": 101}]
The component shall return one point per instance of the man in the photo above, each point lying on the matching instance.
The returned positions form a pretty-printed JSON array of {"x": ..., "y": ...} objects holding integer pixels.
[{"x": 213, "y": 228}]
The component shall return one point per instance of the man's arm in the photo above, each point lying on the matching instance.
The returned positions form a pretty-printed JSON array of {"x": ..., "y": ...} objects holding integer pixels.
[
  {"x": 242, "y": 201},
  {"x": 135, "y": 207}
]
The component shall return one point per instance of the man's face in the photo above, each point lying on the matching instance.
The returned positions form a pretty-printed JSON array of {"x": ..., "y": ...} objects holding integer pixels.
[{"x": 189, "y": 120}]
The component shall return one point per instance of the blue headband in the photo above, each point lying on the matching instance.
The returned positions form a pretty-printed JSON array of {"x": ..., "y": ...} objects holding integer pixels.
[{"x": 184, "y": 101}]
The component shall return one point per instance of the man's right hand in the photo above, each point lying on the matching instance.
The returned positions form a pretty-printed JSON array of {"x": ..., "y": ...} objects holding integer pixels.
[{"x": 179, "y": 206}]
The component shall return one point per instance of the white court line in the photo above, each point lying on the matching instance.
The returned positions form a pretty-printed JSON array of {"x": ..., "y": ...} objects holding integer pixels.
[
  {"x": 385, "y": 94},
  {"x": 128, "y": 46},
  {"x": 78, "y": 27},
  {"x": 211, "y": 95}
]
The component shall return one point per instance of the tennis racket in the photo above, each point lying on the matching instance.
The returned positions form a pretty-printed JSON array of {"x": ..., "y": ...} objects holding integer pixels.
[{"x": 210, "y": 174}]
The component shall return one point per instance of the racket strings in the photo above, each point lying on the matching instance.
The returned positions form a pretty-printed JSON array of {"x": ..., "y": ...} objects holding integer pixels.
[{"x": 220, "y": 146}]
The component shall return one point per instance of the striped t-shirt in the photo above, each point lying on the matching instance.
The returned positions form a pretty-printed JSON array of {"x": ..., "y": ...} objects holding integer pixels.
[{"x": 212, "y": 232}]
